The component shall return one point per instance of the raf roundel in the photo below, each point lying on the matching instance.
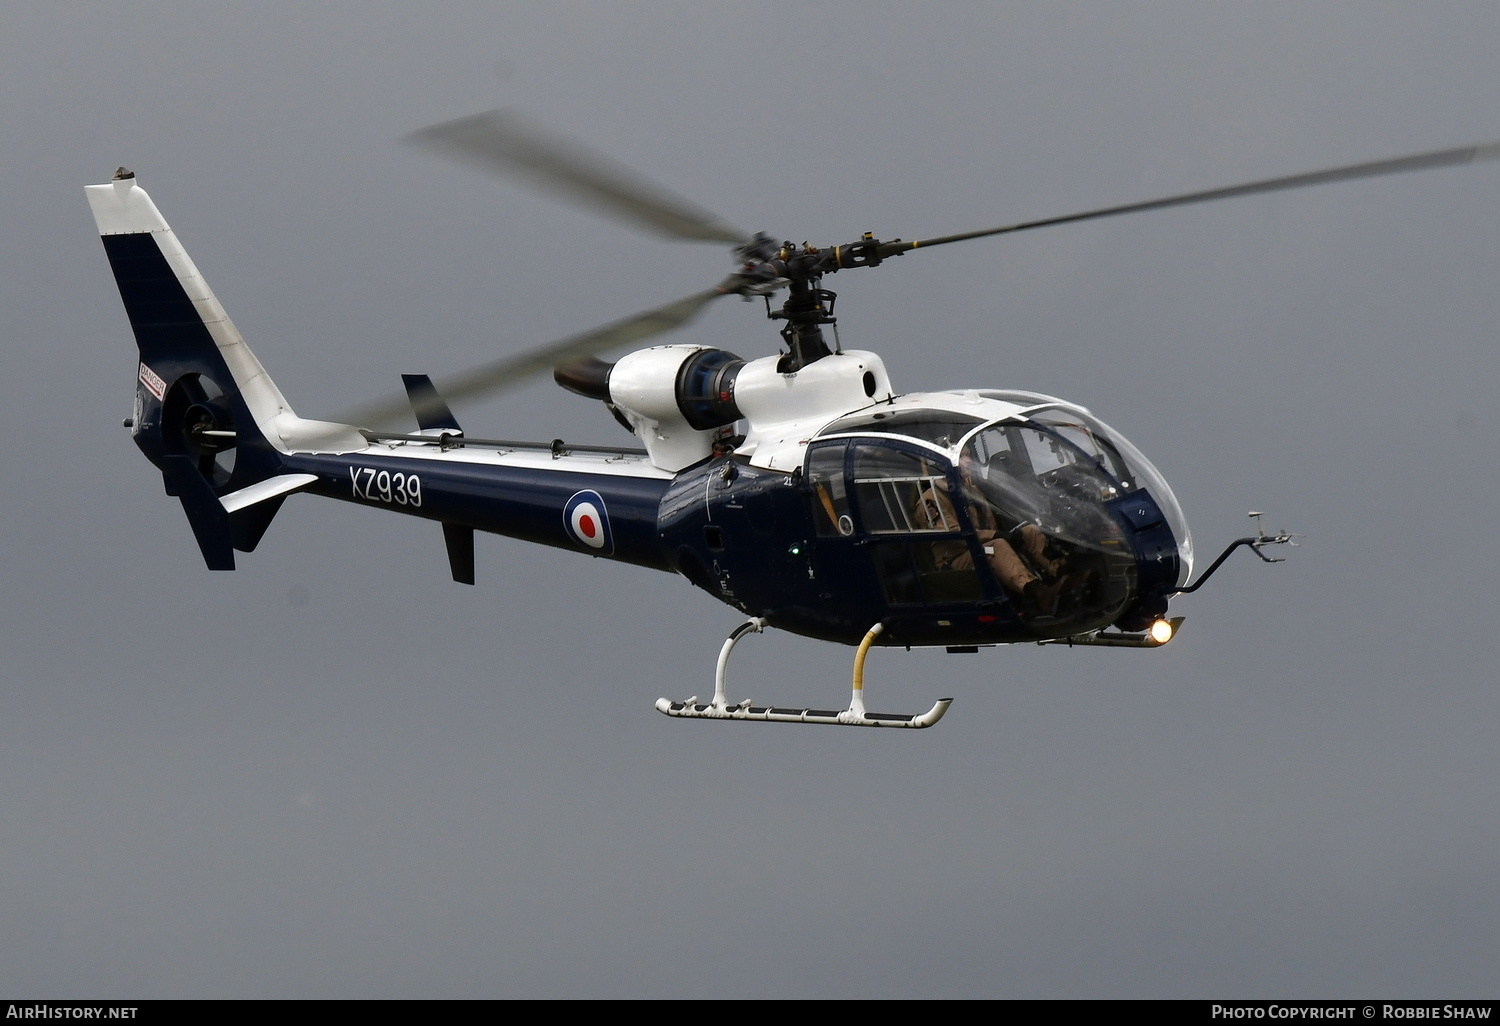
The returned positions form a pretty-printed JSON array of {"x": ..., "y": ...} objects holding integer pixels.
[{"x": 587, "y": 522}]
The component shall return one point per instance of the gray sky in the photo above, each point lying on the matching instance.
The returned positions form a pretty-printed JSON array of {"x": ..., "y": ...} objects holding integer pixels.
[{"x": 336, "y": 773}]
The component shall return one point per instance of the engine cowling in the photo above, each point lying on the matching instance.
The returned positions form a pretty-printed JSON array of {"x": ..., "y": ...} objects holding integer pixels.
[
  {"x": 677, "y": 399},
  {"x": 680, "y": 399}
]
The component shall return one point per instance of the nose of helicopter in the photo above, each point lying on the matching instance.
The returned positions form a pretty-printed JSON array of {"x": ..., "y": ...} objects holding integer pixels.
[
  {"x": 1074, "y": 503},
  {"x": 1138, "y": 479}
]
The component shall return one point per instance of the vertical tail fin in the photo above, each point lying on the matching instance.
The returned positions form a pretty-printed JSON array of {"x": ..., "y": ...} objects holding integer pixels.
[
  {"x": 206, "y": 412},
  {"x": 178, "y": 322}
]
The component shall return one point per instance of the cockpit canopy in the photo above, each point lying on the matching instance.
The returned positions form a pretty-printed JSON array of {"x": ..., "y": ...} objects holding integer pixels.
[
  {"x": 1036, "y": 459},
  {"x": 942, "y": 428}
]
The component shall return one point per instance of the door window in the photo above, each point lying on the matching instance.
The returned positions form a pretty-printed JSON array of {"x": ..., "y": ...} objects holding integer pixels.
[{"x": 830, "y": 499}]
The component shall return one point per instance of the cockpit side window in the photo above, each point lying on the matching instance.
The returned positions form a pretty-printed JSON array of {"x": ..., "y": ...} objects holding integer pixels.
[
  {"x": 890, "y": 486},
  {"x": 908, "y": 518}
]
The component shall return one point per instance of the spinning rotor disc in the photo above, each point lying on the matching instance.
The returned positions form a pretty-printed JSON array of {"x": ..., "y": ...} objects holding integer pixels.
[{"x": 504, "y": 143}]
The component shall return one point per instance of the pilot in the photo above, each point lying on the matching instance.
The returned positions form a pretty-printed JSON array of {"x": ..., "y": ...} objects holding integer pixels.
[{"x": 1016, "y": 575}]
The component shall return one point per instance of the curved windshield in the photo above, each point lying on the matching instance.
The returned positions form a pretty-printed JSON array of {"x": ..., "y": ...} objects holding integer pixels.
[
  {"x": 1113, "y": 452},
  {"x": 1040, "y": 507},
  {"x": 1035, "y": 476}
]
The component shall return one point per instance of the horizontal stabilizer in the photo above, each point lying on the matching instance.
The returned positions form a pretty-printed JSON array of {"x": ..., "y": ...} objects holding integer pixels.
[{"x": 282, "y": 484}]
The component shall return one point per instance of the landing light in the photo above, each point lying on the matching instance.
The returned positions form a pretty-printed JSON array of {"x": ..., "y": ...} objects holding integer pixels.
[{"x": 1161, "y": 632}]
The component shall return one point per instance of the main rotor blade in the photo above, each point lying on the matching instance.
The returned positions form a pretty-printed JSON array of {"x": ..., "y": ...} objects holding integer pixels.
[
  {"x": 1396, "y": 165},
  {"x": 490, "y": 378},
  {"x": 503, "y": 142}
]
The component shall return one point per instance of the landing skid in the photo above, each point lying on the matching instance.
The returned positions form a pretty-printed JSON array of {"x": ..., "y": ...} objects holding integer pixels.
[
  {"x": 844, "y": 718},
  {"x": 854, "y": 716}
]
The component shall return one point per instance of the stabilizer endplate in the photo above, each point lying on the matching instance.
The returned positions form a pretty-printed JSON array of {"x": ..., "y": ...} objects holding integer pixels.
[{"x": 206, "y": 514}]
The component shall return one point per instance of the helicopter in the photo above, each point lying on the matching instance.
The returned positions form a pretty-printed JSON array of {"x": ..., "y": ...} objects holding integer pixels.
[{"x": 801, "y": 488}]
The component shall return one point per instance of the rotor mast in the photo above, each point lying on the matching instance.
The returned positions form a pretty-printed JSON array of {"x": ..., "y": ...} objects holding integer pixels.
[
  {"x": 806, "y": 310},
  {"x": 808, "y": 306}
]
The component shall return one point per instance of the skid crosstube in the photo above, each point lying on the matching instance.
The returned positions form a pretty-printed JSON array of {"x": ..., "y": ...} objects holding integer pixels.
[{"x": 854, "y": 716}]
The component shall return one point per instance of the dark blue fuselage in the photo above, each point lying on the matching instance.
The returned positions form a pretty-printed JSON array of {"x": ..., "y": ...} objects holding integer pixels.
[
  {"x": 746, "y": 535},
  {"x": 516, "y": 501}
]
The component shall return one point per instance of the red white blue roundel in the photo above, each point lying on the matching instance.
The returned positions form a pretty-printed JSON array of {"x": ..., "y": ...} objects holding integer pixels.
[{"x": 587, "y": 523}]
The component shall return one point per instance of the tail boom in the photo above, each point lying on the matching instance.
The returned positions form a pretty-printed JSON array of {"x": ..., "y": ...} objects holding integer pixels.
[{"x": 604, "y": 507}]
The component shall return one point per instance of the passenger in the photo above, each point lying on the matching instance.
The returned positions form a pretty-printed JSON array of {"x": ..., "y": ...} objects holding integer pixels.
[{"x": 935, "y": 511}]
